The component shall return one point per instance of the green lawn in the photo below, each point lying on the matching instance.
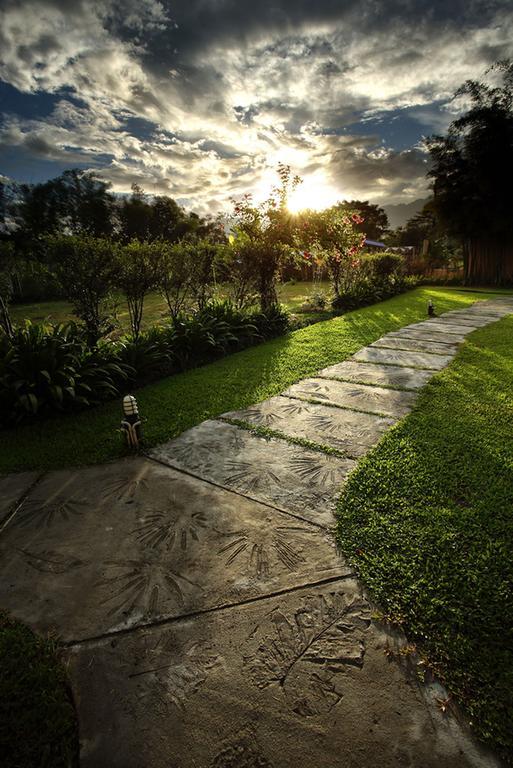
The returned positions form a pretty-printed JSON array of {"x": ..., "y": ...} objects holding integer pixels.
[
  {"x": 37, "y": 718},
  {"x": 427, "y": 520},
  {"x": 174, "y": 404},
  {"x": 293, "y": 295}
]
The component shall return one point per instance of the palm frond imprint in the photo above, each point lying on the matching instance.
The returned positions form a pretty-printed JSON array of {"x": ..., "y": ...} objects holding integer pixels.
[
  {"x": 46, "y": 513},
  {"x": 158, "y": 529},
  {"x": 306, "y": 650},
  {"x": 263, "y": 551},
  {"x": 142, "y": 585}
]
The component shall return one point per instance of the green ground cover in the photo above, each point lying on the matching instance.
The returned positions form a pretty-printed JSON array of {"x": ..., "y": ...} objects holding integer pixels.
[
  {"x": 427, "y": 521},
  {"x": 37, "y": 718},
  {"x": 174, "y": 404}
]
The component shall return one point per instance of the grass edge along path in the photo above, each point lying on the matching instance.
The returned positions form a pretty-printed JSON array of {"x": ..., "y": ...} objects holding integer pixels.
[
  {"x": 426, "y": 519},
  {"x": 174, "y": 404},
  {"x": 38, "y": 724}
]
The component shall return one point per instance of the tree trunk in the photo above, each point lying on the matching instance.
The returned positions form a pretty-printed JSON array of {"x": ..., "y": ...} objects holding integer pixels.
[
  {"x": 488, "y": 262},
  {"x": 5, "y": 319}
]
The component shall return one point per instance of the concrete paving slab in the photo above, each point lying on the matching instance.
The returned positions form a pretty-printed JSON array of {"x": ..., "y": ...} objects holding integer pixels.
[
  {"x": 113, "y": 547},
  {"x": 12, "y": 490},
  {"x": 371, "y": 399},
  {"x": 475, "y": 320},
  {"x": 428, "y": 334},
  {"x": 415, "y": 345},
  {"x": 300, "y": 679},
  {"x": 398, "y": 357},
  {"x": 447, "y": 329},
  {"x": 304, "y": 482},
  {"x": 381, "y": 375},
  {"x": 443, "y": 326},
  {"x": 490, "y": 311},
  {"x": 348, "y": 431}
]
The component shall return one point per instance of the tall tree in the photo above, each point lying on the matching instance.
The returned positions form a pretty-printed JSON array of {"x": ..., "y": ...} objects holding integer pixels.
[
  {"x": 135, "y": 216},
  {"x": 472, "y": 171}
]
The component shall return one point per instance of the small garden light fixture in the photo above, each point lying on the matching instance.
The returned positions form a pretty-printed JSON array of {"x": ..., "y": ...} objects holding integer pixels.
[
  {"x": 131, "y": 423},
  {"x": 431, "y": 309}
]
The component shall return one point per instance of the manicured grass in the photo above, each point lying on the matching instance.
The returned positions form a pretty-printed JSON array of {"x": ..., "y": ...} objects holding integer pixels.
[
  {"x": 427, "y": 520},
  {"x": 172, "y": 405},
  {"x": 37, "y": 718}
]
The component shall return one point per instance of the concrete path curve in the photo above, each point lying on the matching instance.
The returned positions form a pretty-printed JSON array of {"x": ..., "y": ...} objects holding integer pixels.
[{"x": 207, "y": 619}]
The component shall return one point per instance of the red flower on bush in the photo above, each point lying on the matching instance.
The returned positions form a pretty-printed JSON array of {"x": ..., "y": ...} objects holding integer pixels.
[{"x": 357, "y": 218}]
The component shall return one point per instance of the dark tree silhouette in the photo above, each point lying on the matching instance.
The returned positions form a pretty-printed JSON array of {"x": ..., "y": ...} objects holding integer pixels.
[
  {"x": 472, "y": 175},
  {"x": 77, "y": 202},
  {"x": 375, "y": 220}
]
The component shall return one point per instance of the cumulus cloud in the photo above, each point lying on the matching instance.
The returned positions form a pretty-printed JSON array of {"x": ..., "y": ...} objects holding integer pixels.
[{"x": 200, "y": 99}]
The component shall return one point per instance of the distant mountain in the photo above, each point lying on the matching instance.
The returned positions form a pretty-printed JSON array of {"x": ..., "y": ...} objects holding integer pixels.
[{"x": 399, "y": 214}]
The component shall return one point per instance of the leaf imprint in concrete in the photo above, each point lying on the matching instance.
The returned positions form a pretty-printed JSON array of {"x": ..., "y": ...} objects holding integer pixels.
[
  {"x": 397, "y": 357},
  {"x": 415, "y": 345},
  {"x": 472, "y": 321},
  {"x": 297, "y": 679},
  {"x": 158, "y": 673},
  {"x": 302, "y": 481},
  {"x": 242, "y": 752},
  {"x": 348, "y": 431},
  {"x": 179, "y": 545},
  {"x": 301, "y": 652},
  {"x": 441, "y": 326},
  {"x": 371, "y": 399},
  {"x": 384, "y": 375}
]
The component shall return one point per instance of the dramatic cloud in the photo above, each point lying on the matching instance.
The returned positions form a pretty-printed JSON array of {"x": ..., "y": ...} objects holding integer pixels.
[{"x": 201, "y": 99}]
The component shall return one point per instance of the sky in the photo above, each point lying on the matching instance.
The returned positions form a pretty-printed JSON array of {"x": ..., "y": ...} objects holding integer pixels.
[{"x": 201, "y": 99}]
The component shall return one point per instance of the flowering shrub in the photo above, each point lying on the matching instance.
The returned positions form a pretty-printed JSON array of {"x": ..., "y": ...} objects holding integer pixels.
[
  {"x": 264, "y": 236},
  {"x": 332, "y": 241}
]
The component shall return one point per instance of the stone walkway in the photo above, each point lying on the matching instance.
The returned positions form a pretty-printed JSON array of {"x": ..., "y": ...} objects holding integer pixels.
[{"x": 207, "y": 618}]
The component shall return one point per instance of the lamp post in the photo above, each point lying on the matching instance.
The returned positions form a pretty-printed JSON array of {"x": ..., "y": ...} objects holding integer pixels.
[{"x": 131, "y": 422}]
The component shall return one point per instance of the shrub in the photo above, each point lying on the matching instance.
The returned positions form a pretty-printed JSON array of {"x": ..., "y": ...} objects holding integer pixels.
[
  {"x": 52, "y": 369},
  {"x": 316, "y": 301},
  {"x": 200, "y": 338},
  {"x": 175, "y": 276},
  {"x": 369, "y": 291},
  {"x": 149, "y": 356},
  {"x": 240, "y": 323},
  {"x": 138, "y": 267},
  {"x": 385, "y": 264},
  {"x": 274, "y": 322},
  {"x": 86, "y": 268},
  {"x": 35, "y": 281}
]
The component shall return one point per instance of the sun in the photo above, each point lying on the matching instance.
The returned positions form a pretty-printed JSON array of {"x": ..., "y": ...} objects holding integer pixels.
[{"x": 312, "y": 194}]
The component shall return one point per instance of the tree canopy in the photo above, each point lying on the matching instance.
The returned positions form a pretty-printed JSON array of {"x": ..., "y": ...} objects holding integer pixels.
[{"x": 472, "y": 171}]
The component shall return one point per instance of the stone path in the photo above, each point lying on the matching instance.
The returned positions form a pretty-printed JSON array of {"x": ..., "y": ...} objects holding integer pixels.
[{"x": 208, "y": 620}]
